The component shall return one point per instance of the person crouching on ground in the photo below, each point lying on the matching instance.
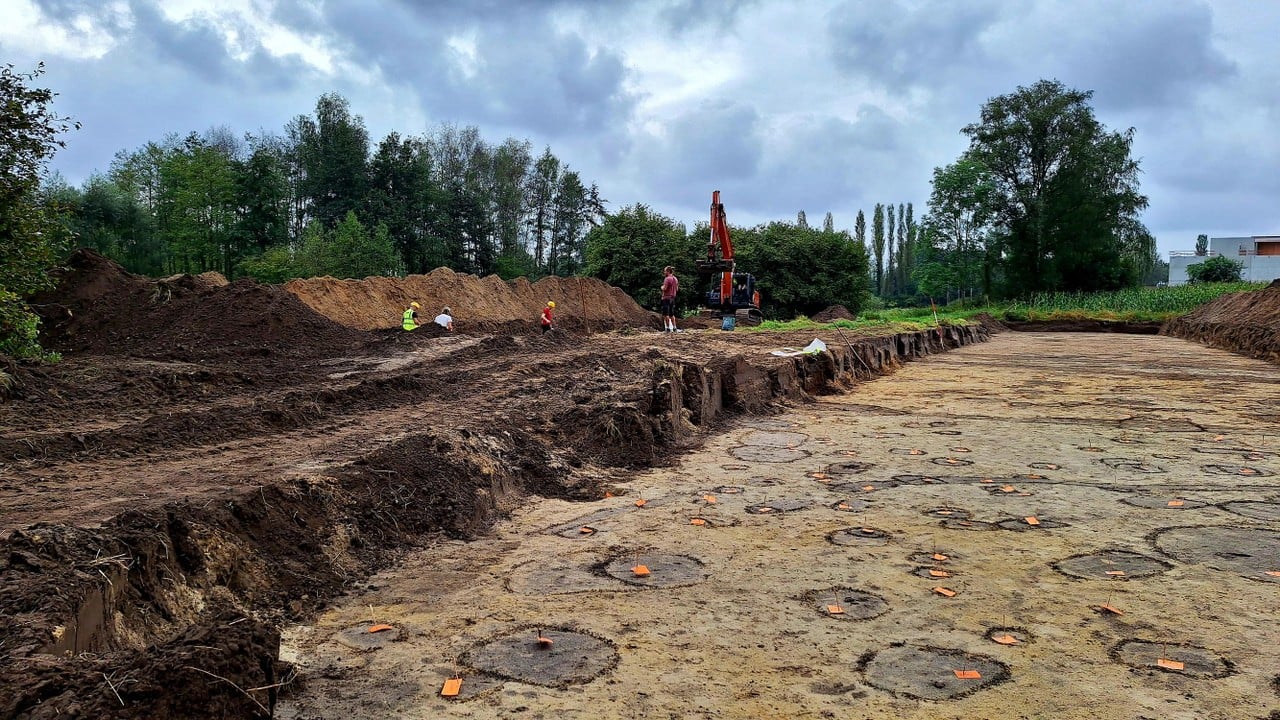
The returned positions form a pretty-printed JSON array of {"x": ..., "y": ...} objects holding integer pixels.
[
  {"x": 670, "y": 286},
  {"x": 410, "y": 319},
  {"x": 546, "y": 316},
  {"x": 445, "y": 319}
]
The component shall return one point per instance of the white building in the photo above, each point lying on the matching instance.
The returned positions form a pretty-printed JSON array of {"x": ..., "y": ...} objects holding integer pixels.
[{"x": 1259, "y": 254}]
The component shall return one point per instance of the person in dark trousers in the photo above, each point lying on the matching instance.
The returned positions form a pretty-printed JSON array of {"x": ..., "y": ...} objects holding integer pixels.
[
  {"x": 546, "y": 316},
  {"x": 670, "y": 286}
]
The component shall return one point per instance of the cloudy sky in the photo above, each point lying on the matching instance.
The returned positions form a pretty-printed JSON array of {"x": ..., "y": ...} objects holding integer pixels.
[{"x": 783, "y": 105}]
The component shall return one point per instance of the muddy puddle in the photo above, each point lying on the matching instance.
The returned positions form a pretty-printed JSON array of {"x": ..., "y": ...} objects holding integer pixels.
[{"x": 1070, "y": 557}]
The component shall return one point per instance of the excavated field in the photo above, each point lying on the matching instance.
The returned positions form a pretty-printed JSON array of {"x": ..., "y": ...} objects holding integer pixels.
[
  {"x": 946, "y": 542},
  {"x": 214, "y": 464}
]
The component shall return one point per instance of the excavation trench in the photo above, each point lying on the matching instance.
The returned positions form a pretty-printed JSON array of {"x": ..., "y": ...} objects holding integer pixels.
[{"x": 111, "y": 615}]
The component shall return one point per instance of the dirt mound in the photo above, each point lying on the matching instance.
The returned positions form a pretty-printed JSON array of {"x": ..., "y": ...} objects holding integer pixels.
[
  {"x": 835, "y": 312},
  {"x": 99, "y": 308},
  {"x": 476, "y": 303},
  {"x": 1246, "y": 322}
]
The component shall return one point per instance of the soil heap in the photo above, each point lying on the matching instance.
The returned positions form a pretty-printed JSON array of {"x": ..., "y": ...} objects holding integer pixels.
[
  {"x": 477, "y": 304},
  {"x": 835, "y": 312},
  {"x": 1245, "y": 322},
  {"x": 99, "y": 308}
]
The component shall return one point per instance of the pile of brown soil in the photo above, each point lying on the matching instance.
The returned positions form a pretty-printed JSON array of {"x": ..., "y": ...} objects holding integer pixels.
[
  {"x": 487, "y": 303},
  {"x": 1246, "y": 322},
  {"x": 99, "y": 308},
  {"x": 833, "y": 313}
]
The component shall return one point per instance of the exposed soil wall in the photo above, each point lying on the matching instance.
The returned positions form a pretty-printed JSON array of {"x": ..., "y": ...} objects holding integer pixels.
[{"x": 1247, "y": 323}]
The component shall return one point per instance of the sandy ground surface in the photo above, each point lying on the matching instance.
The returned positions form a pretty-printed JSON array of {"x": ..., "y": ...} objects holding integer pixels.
[{"x": 1147, "y": 463}]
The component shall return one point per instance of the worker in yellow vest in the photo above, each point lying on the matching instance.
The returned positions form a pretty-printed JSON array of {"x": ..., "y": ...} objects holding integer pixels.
[{"x": 410, "y": 321}]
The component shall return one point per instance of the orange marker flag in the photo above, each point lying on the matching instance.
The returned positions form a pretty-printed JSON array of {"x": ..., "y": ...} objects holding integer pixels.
[
  {"x": 1032, "y": 520},
  {"x": 945, "y": 592},
  {"x": 1170, "y": 664},
  {"x": 452, "y": 687},
  {"x": 968, "y": 674},
  {"x": 1006, "y": 640}
]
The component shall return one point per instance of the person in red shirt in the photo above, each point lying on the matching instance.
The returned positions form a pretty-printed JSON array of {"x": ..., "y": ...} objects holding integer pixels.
[
  {"x": 670, "y": 286},
  {"x": 546, "y": 316}
]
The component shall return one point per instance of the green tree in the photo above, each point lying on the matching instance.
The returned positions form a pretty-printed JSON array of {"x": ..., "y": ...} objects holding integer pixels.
[
  {"x": 891, "y": 268},
  {"x": 959, "y": 228},
  {"x": 33, "y": 233},
  {"x": 860, "y": 229},
  {"x": 877, "y": 241},
  {"x": 801, "y": 271},
  {"x": 630, "y": 247},
  {"x": 1065, "y": 195},
  {"x": 1202, "y": 245},
  {"x": 333, "y": 152},
  {"x": 261, "y": 194},
  {"x": 1215, "y": 269}
]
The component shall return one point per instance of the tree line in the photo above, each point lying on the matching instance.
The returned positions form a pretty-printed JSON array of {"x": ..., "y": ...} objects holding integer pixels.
[
  {"x": 1044, "y": 199},
  {"x": 319, "y": 200}
]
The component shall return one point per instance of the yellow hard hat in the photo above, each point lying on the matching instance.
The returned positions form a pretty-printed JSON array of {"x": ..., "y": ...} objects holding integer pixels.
[
  {"x": 415, "y": 306},
  {"x": 551, "y": 303}
]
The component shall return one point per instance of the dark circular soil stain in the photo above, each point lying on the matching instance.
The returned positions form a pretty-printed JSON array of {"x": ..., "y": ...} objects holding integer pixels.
[
  {"x": 1111, "y": 565},
  {"x": 1132, "y": 465},
  {"x": 572, "y": 658},
  {"x": 768, "y": 454},
  {"x": 359, "y": 637},
  {"x": 934, "y": 572},
  {"x": 883, "y": 435},
  {"x": 951, "y": 461},
  {"x": 1255, "y": 509},
  {"x": 1021, "y": 524},
  {"x": 1251, "y": 552},
  {"x": 924, "y": 558},
  {"x": 1003, "y": 635},
  {"x": 857, "y": 535},
  {"x": 778, "y": 507},
  {"x": 947, "y": 511},
  {"x": 664, "y": 570},
  {"x": 729, "y": 489},
  {"x": 929, "y": 673},
  {"x": 962, "y": 524},
  {"x": 1044, "y": 466},
  {"x": 849, "y": 506},
  {"x": 947, "y": 432},
  {"x": 849, "y": 467},
  {"x": 850, "y": 604},
  {"x": 908, "y": 451},
  {"x": 1089, "y": 448},
  {"x": 1196, "y": 661},
  {"x": 960, "y": 449},
  {"x": 917, "y": 480},
  {"x": 1155, "y": 502},
  {"x": 1237, "y": 470}
]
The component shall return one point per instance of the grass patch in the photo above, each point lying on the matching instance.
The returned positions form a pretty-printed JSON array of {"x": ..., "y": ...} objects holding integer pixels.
[{"x": 1132, "y": 305}]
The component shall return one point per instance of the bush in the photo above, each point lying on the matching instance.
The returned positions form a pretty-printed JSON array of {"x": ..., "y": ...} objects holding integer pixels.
[
  {"x": 19, "y": 329},
  {"x": 1215, "y": 269}
]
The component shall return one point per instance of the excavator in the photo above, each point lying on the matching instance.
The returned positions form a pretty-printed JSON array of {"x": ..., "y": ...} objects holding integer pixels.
[{"x": 733, "y": 296}]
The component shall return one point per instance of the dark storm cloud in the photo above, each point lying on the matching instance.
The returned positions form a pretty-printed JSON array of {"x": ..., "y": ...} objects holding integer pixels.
[
  {"x": 907, "y": 44},
  {"x": 822, "y": 163},
  {"x": 715, "y": 145},
  {"x": 1138, "y": 56},
  {"x": 525, "y": 72}
]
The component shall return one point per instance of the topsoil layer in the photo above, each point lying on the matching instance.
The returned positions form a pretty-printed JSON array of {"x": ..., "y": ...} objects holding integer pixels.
[{"x": 1247, "y": 323}]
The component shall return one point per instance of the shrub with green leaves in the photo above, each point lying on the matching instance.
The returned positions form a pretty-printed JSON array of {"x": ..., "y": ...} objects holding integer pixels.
[{"x": 1215, "y": 269}]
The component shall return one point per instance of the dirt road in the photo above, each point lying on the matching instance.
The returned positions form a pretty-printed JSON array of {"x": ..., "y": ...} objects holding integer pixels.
[{"x": 1043, "y": 525}]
